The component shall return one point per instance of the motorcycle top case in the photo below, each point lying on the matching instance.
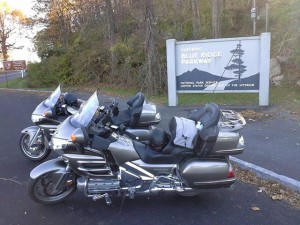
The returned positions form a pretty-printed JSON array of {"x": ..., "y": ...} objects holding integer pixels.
[
  {"x": 148, "y": 115},
  {"x": 184, "y": 132}
]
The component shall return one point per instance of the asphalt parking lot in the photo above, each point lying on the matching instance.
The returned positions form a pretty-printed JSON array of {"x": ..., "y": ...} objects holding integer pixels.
[{"x": 242, "y": 204}]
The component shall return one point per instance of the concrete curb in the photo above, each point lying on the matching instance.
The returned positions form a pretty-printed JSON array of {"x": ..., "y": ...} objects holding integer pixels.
[
  {"x": 26, "y": 90},
  {"x": 267, "y": 174}
]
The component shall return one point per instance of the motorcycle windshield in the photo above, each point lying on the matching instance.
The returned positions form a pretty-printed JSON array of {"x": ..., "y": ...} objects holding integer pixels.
[
  {"x": 85, "y": 114},
  {"x": 53, "y": 98}
]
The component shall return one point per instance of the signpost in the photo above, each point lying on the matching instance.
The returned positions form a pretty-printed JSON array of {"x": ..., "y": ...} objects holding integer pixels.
[
  {"x": 14, "y": 65},
  {"x": 229, "y": 65}
]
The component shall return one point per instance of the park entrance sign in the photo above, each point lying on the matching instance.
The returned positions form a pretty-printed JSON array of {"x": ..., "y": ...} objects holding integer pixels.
[
  {"x": 230, "y": 65},
  {"x": 14, "y": 65}
]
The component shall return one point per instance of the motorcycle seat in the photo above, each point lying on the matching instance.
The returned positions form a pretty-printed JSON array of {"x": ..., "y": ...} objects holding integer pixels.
[
  {"x": 131, "y": 116},
  {"x": 171, "y": 154},
  {"x": 161, "y": 148}
]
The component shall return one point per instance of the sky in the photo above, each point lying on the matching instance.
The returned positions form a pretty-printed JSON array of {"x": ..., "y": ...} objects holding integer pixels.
[
  {"x": 23, "y": 5},
  {"x": 27, "y": 53}
]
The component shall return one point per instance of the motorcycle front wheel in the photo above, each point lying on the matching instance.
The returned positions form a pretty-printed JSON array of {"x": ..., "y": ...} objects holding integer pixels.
[
  {"x": 42, "y": 189},
  {"x": 36, "y": 152}
]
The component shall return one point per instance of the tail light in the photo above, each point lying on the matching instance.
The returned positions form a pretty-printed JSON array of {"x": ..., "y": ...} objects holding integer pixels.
[{"x": 230, "y": 173}]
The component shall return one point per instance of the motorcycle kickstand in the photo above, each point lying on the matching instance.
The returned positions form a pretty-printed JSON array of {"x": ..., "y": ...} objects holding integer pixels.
[{"x": 122, "y": 203}]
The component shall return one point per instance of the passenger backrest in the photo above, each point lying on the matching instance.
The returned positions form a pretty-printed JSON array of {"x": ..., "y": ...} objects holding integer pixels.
[
  {"x": 196, "y": 114},
  {"x": 135, "y": 104},
  {"x": 209, "y": 120},
  {"x": 209, "y": 133}
]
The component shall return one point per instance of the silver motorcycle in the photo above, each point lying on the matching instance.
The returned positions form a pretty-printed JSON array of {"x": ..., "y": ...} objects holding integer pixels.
[
  {"x": 101, "y": 162},
  {"x": 35, "y": 140}
]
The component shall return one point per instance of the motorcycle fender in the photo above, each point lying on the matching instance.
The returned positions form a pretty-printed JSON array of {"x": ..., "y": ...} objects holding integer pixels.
[
  {"x": 54, "y": 165},
  {"x": 31, "y": 130}
]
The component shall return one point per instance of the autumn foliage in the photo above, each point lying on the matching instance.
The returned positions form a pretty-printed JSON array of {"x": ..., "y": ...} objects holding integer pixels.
[{"x": 123, "y": 42}]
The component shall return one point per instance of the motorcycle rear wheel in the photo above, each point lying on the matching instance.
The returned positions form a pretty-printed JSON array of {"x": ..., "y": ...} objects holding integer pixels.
[
  {"x": 41, "y": 189},
  {"x": 36, "y": 153}
]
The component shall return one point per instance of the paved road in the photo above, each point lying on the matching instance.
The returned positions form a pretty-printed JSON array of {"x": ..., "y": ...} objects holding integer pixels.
[
  {"x": 226, "y": 207},
  {"x": 9, "y": 75}
]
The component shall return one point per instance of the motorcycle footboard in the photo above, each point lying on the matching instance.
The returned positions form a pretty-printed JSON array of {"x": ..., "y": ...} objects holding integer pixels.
[{"x": 207, "y": 173}]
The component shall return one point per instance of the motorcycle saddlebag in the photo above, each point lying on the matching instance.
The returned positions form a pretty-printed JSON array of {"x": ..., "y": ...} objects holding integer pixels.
[{"x": 206, "y": 173}]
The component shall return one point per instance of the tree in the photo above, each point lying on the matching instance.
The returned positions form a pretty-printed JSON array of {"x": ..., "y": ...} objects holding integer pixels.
[
  {"x": 126, "y": 38},
  {"x": 150, "y": 46},
  {"x": 110, "y": 18},
  {"x": 57, "y": 18},
  {"x": 10, "y": 23},
  {"x": 215, "y": 19},
  {"x": 195, "y": 19}
]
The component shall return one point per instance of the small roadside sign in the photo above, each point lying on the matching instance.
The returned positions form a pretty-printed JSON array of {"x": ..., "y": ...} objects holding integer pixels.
[{"x": 14, "y": 65}]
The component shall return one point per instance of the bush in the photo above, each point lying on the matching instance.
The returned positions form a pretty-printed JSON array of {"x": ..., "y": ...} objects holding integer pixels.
[{"x": 52, "y": 71}]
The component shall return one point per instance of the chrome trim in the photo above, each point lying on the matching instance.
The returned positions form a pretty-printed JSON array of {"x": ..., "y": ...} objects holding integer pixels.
[
  {"x": 102, "y": 162},
  {"x": 94, "y": 170},
  {"x": 226, "y": 181},
  {"x": 140, "y": 169},
  {"x": 235, "y": 151}
]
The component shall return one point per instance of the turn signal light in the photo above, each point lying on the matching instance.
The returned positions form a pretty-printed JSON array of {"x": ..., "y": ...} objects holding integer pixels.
[{"x": 73, "y": 137}]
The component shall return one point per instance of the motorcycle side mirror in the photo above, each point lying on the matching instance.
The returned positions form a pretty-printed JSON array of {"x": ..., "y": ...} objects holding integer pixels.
[{"x": 80, "y": 136}]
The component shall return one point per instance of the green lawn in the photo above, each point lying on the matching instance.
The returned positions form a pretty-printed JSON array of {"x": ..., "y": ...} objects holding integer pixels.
[
  {"x": 287, "y": 97},
  {"x": 15, "y": 83}
]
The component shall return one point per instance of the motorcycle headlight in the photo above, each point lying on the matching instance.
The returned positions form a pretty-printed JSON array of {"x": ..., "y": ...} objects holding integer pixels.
[
  {"x": 36, "y": 118},
  {"x": 58, "y": 143}
]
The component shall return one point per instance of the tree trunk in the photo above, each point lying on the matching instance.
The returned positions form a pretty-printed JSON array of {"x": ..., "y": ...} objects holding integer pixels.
[
  {"x": 196, "y": 19},
  {"x": 111, "y": 33},
  {"x": 215, "y": 19},
  {"x": 178, "y": 19},
  {"x": 150, "y": 47},
  {"x": 4, "y": 49}
]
